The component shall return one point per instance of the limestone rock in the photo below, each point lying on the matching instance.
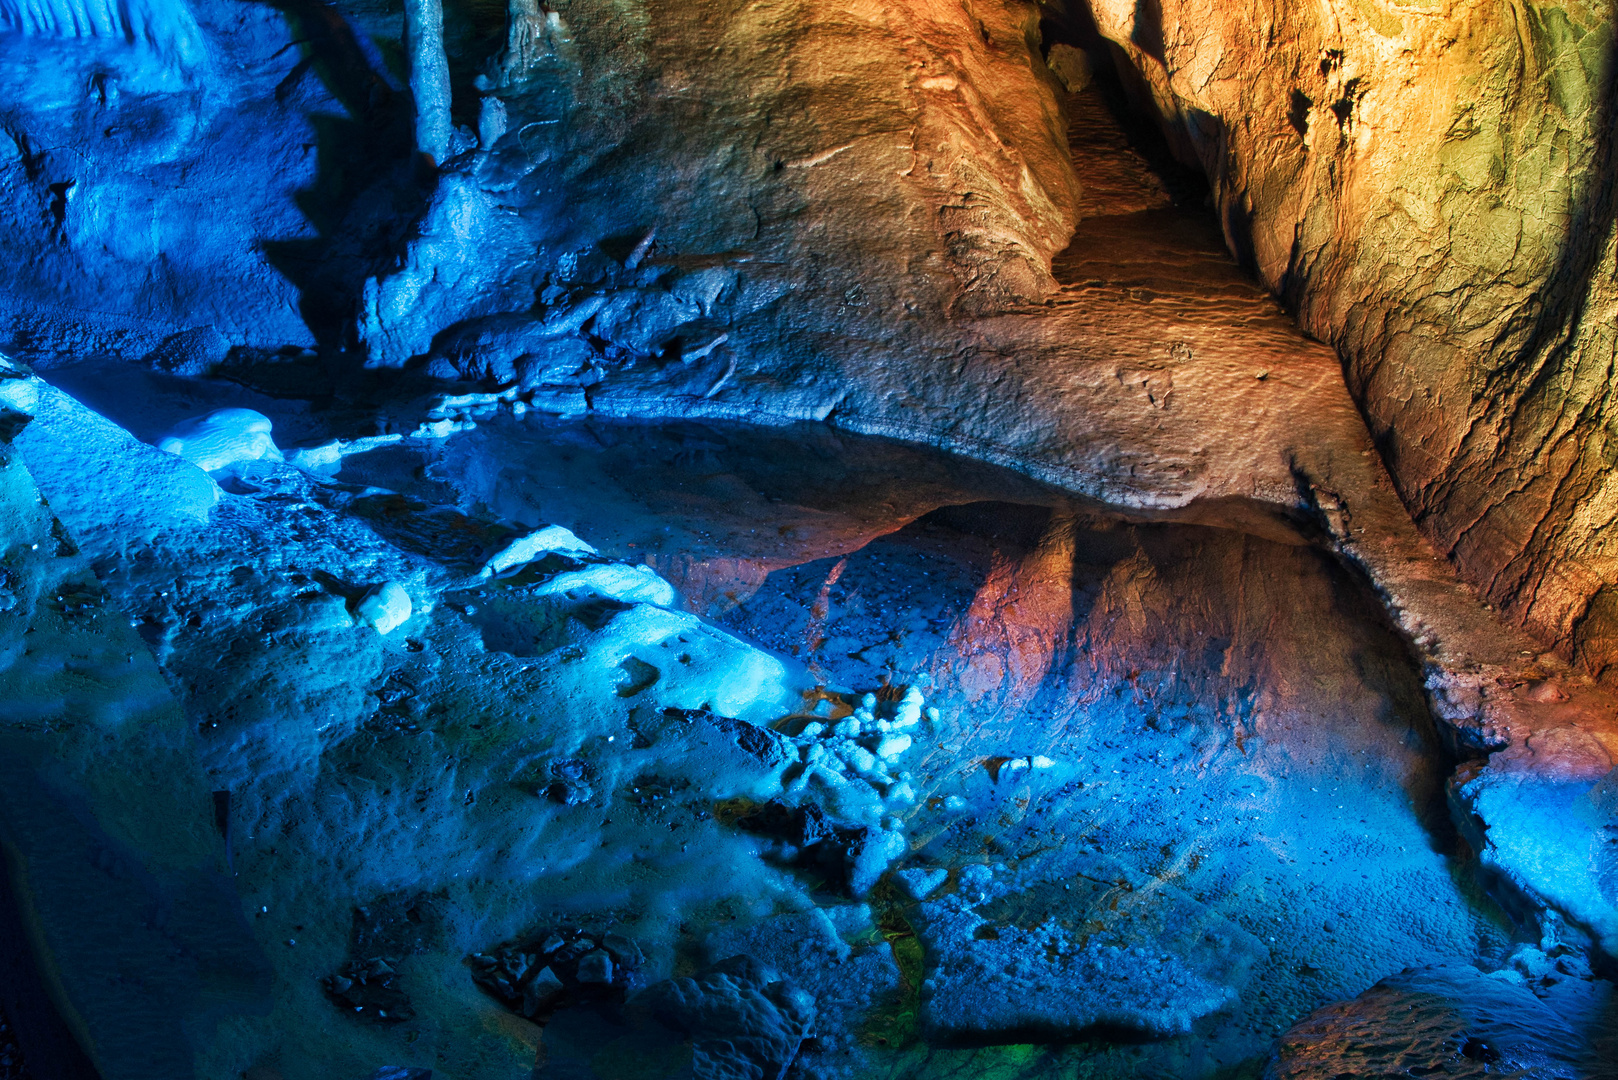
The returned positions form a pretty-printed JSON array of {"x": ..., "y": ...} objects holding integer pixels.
[
  {"x": 114, "y": 488},
  {"x": 1189, "y": 769},
  {"x": 1466, "y": 288},
  {"x": 106, "y": 819},
  {"x": 1069, "y": 65},
  {"x": 222, "y": 437},
  {"x": 385, "y": 606},
  {"x": 530, "y": 546},
  {"x": 167, "y": 27},
  {"x": 190, "y": 352}
]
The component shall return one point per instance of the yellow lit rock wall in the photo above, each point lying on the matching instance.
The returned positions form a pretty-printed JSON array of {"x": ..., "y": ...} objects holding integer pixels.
[{"x": 1429, "y": 186}]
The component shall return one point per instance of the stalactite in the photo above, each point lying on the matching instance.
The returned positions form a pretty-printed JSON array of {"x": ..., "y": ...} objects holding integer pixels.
[
  {"x": 533, "y": 32},
  {"x": 429, "y": 76},
  {"x": 165, "y": 26},
  {"x": 525, "y": 37}
]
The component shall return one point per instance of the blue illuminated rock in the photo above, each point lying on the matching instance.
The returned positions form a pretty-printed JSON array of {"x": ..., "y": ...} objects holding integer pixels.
[{"x": 222, "y": 437}]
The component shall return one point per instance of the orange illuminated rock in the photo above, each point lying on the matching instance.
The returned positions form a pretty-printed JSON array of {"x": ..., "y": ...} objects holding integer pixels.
[{"x": 1429, "y": 186}]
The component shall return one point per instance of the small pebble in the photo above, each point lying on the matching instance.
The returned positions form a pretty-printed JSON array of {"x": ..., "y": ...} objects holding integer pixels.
[
  {"x": 595, "y": 967},
  {"x": 386, "y": 607}
]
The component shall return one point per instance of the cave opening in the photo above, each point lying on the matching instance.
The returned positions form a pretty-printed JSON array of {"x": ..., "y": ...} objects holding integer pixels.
[{"x": 1105, "y": 87}]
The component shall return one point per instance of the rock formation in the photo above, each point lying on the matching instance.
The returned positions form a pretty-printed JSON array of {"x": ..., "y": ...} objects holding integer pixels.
[
  {"x": 904, "y": 538},
  {"x": 166, "y": 27},
  {"x": 1429, "y": 189},
  {"x": 429, "y": 76}
]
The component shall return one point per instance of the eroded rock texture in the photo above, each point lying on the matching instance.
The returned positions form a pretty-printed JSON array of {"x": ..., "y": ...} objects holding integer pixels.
[
  {"x": 773, "y": 173},
  {"x": 1429, "y": 186},
  {"x": 522, "y": 716},
  {"x": 1455, "y": 1022}
]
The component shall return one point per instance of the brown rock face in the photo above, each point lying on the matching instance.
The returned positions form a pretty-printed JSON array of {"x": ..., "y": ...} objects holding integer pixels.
[
  {"x": 882, "y": 158},
  {"x": 855, "y": 229},
  {"x": 1429, "y": 187}
]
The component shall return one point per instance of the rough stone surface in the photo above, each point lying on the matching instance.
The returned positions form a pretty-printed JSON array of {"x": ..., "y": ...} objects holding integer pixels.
[
  {"x": 1457, "y": 1022},
  {"x": 1430, "y": 188},
  {"x": 1245, "y": 688},
  {"x": 1173, "y": 963}
]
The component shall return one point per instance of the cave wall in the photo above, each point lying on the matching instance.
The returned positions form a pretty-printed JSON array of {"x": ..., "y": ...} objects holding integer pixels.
[
  {"x": 821, "y": 211},
  {"x": 846, "y": 212},
  {"x": 1425, "y": 186},
  {"x": 173, "y": 167},
  {"x": 1429, "y": 187},
  {"x": 166, "y": 26},
  {"x": 784, "y": 166}
]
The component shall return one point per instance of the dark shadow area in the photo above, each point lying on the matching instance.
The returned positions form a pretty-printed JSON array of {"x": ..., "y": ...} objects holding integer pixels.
[
  {"x": 474, "y": 36},
  {"x": 439, "y": 533},
  {"x": 691, "y": 488},
  {"x": 370, "y": 185},
  {"x": 1134, "y": 164},
  {"x": 35, "y": 1042},
  {"x": 293, "y": 388},
  {"x": 105, "y": 915},
  {"x": 1148, "y": 35},
  {"x": 1128, "y": 104}
]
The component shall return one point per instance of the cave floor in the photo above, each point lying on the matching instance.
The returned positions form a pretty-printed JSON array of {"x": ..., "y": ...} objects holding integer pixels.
[{"x": 1181, "y": 788}]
